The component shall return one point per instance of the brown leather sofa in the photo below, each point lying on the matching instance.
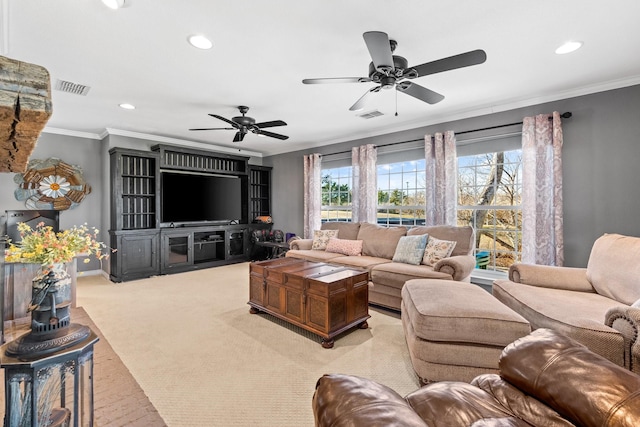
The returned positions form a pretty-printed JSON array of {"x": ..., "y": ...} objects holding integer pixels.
[
  {"x": 546, "y": 379},
  {"x": 386, "y": 277}
]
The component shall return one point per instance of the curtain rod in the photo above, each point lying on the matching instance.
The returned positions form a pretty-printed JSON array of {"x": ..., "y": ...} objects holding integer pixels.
[{"x": 566, "y": 115}]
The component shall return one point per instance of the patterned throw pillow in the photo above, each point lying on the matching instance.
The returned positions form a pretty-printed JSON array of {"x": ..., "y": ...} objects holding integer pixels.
[
  {"x": 345, "y": 247},
  {"x": 436, "y": 250},
  {"x": 321, "y": 238},
  {"x": 410, "y": 249}
]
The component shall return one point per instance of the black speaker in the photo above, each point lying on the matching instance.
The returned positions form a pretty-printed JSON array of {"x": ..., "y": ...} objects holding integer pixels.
[{"x": 31, "y": 218}]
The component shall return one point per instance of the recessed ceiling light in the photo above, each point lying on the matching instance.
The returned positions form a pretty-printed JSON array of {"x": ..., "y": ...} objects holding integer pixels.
[
  {"x": 568, "y": 47},
  {"x": 116, "y": 4},
  {"x": 128, "y": 106},
  {"x": 200, "y": 41}
]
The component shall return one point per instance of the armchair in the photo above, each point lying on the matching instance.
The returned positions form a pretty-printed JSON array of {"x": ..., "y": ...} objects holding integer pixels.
[{"x": 597, "y": 305}]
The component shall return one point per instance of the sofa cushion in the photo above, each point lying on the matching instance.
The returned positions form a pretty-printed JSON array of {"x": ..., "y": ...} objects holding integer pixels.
[
  {"x": 321, "y": 239},
  {"x": 463, "y": 236},
  {"x": 579, "y": 315},
  {"x": 311, "y": 255},
  {"x": 437, "y": 249},
  {"x": 396, "y": 273},
  {"x": 410, "y": 249},
  {"x": 359, "y": 261},
  {"x": 449, "y": 311},
  {"x": 345, "y": 247},
  {"x": 380, "y": 241},
  {"x": 523, "y": 406},
  {"x": 346, "y": 230},
  {"x": 613, "y": 268}
]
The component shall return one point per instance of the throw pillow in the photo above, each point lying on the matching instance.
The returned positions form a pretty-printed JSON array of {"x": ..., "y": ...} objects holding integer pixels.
[
  {"x": 345, "y": 247},
  {"x": 410, "y": 249},
  {"x": 436, "y": 250},
  {"x": 321, "y": 238}
]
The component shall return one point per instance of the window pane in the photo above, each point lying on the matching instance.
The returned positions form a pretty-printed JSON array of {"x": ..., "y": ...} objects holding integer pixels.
[{"x": 489, "y": 199}]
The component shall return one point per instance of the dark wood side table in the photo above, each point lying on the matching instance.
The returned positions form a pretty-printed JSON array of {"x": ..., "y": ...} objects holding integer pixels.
[{"x": 276, "y": 250}]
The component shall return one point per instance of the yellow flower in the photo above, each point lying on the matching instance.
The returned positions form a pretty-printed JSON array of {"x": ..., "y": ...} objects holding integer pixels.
[{"x": 43, "y": 246}]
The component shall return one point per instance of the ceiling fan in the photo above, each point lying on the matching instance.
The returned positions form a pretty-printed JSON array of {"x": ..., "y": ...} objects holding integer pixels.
[
  {"x": 388, "y": 70},
  {"x": 245, "y": 124}
]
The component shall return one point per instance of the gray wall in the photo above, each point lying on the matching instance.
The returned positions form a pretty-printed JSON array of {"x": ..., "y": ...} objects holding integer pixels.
[
  {"x": 600, "y": 153},
  {"x": 601, "y": 185}
]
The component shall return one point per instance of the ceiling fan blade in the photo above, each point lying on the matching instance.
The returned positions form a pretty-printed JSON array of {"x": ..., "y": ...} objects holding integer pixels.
[
  {"x": 379, "y": 49},
  {"x": 239, "y": 136},
  {"x": 462, "y": 60},
  {"x": 419, "y": 92},
  {"x": 212, "y": 129},
  {"x": 359, "y": 105},
  {"x": 232, "y": 123},
  {"x": 270, "y": 124},
  {"x": 336, "y": 80},
  {"x": 273, "y": 135}
]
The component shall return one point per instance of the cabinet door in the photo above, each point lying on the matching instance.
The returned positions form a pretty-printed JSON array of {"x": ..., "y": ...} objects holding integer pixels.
[
  {"x": 133, "y": 189},
  {"x": 176, "y": 250},
  {"x": 274, "y": 297},
  {"x": 236, "y": 243},
  {"x": 136, "y": 256}
]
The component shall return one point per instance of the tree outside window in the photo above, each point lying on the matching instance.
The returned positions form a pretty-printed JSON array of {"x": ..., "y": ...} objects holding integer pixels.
[{"x": 489, "y": 199}]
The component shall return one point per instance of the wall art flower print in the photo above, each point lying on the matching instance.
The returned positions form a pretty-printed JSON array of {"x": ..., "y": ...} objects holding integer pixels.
[
  {"x": 51, "y": 184},
  {"x": 54, "y": 186}
]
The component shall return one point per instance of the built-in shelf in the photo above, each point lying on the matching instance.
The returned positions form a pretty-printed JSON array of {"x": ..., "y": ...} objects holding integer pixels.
[{"x": 143, "y": 247}]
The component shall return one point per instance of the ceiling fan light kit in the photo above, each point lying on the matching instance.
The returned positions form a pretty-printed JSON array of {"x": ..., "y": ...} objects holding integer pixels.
[{"x": 388, "y": 70}]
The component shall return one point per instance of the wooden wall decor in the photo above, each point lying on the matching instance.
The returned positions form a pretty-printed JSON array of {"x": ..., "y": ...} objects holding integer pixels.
[
  {"x": 25, "y": 108},
  {"x": 51, "y": 184}
]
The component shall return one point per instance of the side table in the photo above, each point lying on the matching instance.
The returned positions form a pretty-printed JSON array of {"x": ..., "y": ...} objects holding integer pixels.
[{"x": 277, "y": 250}]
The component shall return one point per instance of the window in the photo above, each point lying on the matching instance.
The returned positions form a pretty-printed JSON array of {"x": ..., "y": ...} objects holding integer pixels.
[
  {"x": 489, "y": 199},
  {"x": 336, "y": 194},
  {"x": 401, "y": 193}
]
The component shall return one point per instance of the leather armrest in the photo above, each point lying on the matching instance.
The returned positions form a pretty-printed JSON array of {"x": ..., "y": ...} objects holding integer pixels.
[
  {"x": 347, "y": 401},
  {"x": 459, "y": 266},
  {"x": 547, "y": 276},
  {"x": 583, "y": 386},
  {"x": 304, "y": 244},
  {"x": 626, "y": 320}
]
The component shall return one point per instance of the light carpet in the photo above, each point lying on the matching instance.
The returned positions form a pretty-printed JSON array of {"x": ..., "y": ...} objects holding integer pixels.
[{"x": 204, "y": 360}]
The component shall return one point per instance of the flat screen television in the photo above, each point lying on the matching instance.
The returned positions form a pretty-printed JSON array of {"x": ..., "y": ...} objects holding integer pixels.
[
  {"x": 192, "y": 199},
  {"x": 31, "y": 218}
]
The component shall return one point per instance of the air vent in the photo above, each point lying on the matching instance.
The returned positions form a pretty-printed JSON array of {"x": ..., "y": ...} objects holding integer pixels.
[
  {"x": 370, "y": 114},
  {"x": 70, "y": 87}
]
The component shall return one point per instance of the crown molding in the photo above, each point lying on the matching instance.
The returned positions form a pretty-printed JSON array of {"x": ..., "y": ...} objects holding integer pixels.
[
  {"x": 149, "y": 137},
  {"x": 182, "y": 142},
  {"x": 74, "y": 133}
]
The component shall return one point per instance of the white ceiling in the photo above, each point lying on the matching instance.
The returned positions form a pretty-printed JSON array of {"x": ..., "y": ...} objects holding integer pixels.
[{"x": 263, "y": 49}]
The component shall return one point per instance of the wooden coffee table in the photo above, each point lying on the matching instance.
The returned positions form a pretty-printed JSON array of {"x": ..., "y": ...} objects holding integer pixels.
[{"x": 324, "y": 299}]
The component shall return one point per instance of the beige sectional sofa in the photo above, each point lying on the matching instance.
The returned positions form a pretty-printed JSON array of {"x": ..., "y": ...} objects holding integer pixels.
[
  {"x": 597, "y": 305},
  {"x": 387, "y": 277}
]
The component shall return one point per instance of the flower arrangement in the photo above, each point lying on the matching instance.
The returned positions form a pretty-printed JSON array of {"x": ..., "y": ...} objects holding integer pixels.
[{"x": 44, "y": 246}]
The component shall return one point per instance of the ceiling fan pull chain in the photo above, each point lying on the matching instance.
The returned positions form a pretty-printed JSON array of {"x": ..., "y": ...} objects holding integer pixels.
[{"x": 396, "y": 103}]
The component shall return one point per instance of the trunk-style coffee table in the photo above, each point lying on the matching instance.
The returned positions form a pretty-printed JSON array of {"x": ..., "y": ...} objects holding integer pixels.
[{"x": 322, "y": 298}]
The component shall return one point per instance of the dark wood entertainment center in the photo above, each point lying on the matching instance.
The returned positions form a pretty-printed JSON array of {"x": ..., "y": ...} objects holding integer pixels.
[{"x": 146, "y": 246}]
